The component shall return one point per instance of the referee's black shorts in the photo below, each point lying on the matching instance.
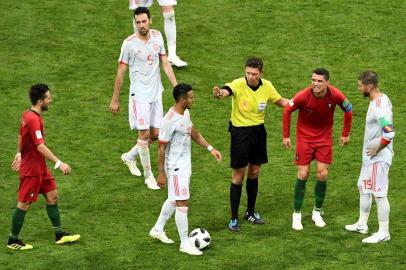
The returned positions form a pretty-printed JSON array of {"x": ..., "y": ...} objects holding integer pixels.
[{"x": 248, "y": 145}]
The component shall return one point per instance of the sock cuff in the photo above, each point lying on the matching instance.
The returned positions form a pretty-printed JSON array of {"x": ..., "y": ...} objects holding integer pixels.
[
  {"x": 301, "y": 182},
  {"x": 318, "y": 182},
  {"x": 235, "y": 185},
  {"x": 182, "y": 209},
  {"x": 142, "y": 143},
  {"x": 20, "y": 210},
  {"x": 168, "y": 13},
  {"x": 252, "y": 179}
]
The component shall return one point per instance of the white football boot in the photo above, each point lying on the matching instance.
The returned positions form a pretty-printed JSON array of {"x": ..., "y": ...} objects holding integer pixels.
[
  {"x": 151, "y": 183},
  {"x": 132, "y": 165},
  {"x": 174, "y": 60},
  {"x": 188, "y": 248},
  {"x": 161, "y": 236},
  {"x": 376, "y": 238},
  {"x": 363, "y": 229},
  {"x": 297, "y": 221},
  {"x": 318, "y": 220}
]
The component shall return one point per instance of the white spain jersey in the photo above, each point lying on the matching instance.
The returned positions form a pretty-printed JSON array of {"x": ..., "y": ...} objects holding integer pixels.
[
  {"x": 379, "y": 112},
  {"x": 143, "y": 62},
  {"x": 176, "y": 130}
]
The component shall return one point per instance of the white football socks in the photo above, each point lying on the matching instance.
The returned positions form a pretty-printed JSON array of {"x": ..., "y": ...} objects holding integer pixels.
[
  {"x": 383, "y": 209},
  {"x": 170, "y": 31},
  {"x": 182, "y": 223},
  {"x": 130, "y": 155},
  {"x": 365, "y": 202},
  {"x": 167, "y": 210},
  {"x": 143, "y": 151}
]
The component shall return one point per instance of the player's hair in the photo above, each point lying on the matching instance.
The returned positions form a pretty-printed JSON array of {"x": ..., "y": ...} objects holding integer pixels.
[
  {"x": 142, "y": 10},
  {"x": 181, "y": 90},
  {"x": 322, "y": 71},
  {"x": 255, "y": 62},
  {"x": 37, "y": 92},
  {"x": 369, "y": 77}
]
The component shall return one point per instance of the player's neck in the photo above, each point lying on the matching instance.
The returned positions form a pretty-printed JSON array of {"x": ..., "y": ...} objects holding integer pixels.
[
  {"x": 374, "y": 94},
  {"x": 143, "y": 38},
  {"x": 179, "y": 108},
  {"x": 36, "y": 109}
]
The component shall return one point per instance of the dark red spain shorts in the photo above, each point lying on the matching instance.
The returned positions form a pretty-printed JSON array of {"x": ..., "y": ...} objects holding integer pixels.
[
  {"x": 307, "y": 151},
  {"x": 31, "y": 186}
]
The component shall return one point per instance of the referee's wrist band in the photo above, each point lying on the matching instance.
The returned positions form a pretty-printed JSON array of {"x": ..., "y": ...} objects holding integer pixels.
[
  {"x": 57, "y": 164},
  {"x": 209, "y": 148}
]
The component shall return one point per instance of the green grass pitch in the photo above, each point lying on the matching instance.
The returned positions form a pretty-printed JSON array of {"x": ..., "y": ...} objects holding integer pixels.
[{"x": 74, "y": 45}]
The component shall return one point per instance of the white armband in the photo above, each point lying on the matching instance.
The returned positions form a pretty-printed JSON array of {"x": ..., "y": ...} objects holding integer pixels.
[
  {"x": 57, "y": 164},
  {"x": 210, "y": 148}
]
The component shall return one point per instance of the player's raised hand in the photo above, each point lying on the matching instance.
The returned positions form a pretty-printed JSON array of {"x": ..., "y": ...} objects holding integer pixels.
[
  {"x": 114, "y": 106},
  {"x": 15, "y": 165},
  {"x": 161, "y": 179},
  {"x": 344, "y": 140},
  {"x": 216, "y": 92},
  {"x": 65, "y": 168},
  {"x": 286, "y": 143},
  {"x": 216, "y": 154}
]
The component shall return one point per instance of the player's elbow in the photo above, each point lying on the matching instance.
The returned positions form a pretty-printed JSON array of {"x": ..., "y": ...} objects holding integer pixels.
[{"x": 41, "y": 147}]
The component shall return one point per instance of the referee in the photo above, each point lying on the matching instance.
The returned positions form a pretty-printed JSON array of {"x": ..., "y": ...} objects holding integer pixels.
[{"x": 250, "y": 97}]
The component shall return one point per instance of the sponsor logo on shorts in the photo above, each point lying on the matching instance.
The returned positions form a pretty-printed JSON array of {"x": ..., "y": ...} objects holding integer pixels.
[{"x": 184, "y": 191}]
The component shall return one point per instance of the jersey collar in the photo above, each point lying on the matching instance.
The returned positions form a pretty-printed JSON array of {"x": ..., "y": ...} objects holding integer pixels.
[{"x": 256, "y": 87}]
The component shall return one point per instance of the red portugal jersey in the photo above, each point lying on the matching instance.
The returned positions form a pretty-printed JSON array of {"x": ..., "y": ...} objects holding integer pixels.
[
  {"x": 316, "y": 115},
  {"x": 32, "y": 134}
]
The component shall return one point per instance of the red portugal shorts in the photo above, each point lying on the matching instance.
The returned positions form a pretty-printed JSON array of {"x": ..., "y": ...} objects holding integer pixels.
[
  {"x": 307, "y": 151},
  {"x": 31, "y": 186}
]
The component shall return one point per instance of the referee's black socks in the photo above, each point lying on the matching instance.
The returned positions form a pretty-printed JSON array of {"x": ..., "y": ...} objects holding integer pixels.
[
  {"x": 235, "y": 195},
  {"x": 252, "y": 191}
]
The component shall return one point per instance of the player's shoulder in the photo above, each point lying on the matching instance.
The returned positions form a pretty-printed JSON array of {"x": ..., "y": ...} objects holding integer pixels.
[
  {"x": 303, "y": 93},
  {"x": 239, "y": 81},
  {"x": 170, "y": 116},
  {"x": 130, "y": 38},
  {"x": 335, "y": 92},
  {"x": 30, "y": 115},
  {"x": 267, "y": 83},
  {"x": 383, "y": 101},
  {"x": 155, "y": 33}
]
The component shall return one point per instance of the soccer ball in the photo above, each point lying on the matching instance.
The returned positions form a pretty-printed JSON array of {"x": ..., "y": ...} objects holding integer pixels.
[{"x": 200, "y": 238}]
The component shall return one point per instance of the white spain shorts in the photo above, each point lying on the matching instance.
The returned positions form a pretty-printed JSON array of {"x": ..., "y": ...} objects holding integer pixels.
[
  {"x": 133, "y": 4},
  {"x": 374, "y": 179},
  {"x": 178, "y": 186},
  {"x": 144, "y": 116}
]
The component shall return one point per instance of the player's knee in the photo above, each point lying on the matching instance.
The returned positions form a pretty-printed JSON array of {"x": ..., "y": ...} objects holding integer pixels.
[
  {"x": 52, "y": 200},
  {"x": 23, "y": 206},
  {"x": 182, "y": 203},
  {"x": 303, "y": 174},
  {"x": 253, "y": 174},
  {"x": 322, "y": 174}
]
